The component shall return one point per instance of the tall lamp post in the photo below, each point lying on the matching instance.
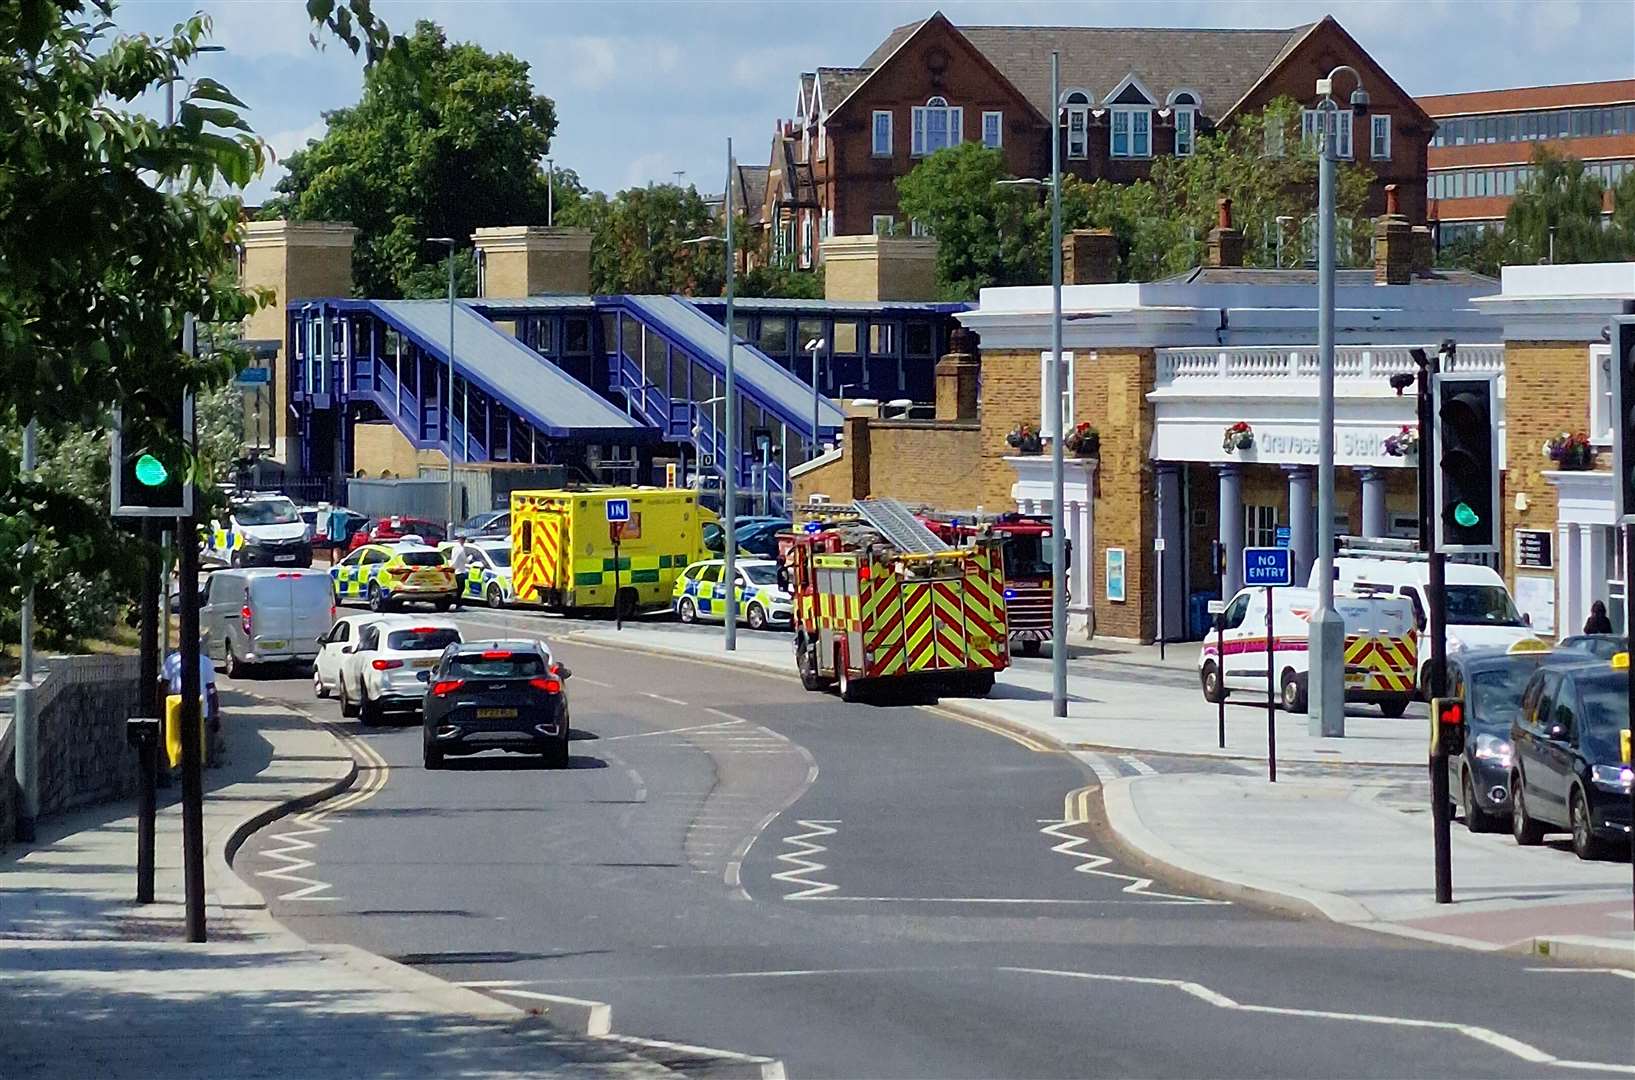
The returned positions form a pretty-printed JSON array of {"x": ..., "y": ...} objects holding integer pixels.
[
  {"x": 448, "y": 405},
  {"x": 815, "y": 346},
  {"x": 729, "y": 480},
  {"x": 1327, "y": 628}
]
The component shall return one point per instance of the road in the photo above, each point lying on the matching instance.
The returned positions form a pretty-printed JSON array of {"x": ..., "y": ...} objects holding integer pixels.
[{"x": 869, "y": 891}]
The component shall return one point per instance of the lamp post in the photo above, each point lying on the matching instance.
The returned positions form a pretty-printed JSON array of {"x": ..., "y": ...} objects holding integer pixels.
[
  {"x": 550, "y": 193},
  {"x": 448, "y": 405},
  {"x": 729, "y": 477},
  {"x": 814, "y": 347},
  {"x": 1327, "y": 691}
]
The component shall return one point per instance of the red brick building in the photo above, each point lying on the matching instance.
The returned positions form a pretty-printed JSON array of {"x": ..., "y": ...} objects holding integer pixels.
[
  {"x": 1130, "y": 95},
  {"x": 1484, "y": 141}
]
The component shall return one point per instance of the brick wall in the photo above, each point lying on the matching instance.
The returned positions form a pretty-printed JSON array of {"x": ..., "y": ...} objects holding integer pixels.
[
  {"x": 918, "y": 461},
  {"x": 379, "y": 449}
]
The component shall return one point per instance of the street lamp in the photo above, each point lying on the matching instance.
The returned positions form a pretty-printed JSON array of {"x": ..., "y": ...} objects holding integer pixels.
[
  {"x": 729, "y": 485},
  {"x": 814, "y": 347},
  {"x": 448, "y": 406},
  {"x": 550, "y": 192},
  {"x": 1327, "y": 645}
]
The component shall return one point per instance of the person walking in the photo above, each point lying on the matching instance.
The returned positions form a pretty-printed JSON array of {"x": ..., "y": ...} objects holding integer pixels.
[
  {"x": 460, "y": 559},
  {"x": 1598, "y": 623}
]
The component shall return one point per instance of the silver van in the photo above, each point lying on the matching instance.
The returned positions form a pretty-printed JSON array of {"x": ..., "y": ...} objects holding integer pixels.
[{"x": 264, "y": 616}]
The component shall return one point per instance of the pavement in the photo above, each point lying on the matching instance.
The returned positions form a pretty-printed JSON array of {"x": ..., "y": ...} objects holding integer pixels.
[
  {"x": 97, "y": 985},
  {"x": 1333, "y": 836}
]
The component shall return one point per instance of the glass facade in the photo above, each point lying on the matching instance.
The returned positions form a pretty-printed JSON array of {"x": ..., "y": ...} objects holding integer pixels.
[
  {"x": 1504, "y": 180},
  {"x": 1533, "y": 126}
]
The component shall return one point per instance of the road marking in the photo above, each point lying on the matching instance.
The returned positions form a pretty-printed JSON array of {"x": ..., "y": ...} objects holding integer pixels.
[
  {"x": 1621, "y": 973},
  {"x": 800, "y": 862},
  {"x": 1138, "y": 765},
  {"x": 733, "y": 873},
  {"x": 491, "y": 984},
  {"x": 993, "y": 729},
  {"x": 588, "y": 681},
  {"x": 294, "y": 862},
  {"x": 1509, "y": 1045},
  {"x": 735, "y": 719},
  {"x": 670, "y": 731},
  {"x": 1076, "y": 811},
  {"x": 661, "y": 697},
  {"x": 966, "y": 900}
]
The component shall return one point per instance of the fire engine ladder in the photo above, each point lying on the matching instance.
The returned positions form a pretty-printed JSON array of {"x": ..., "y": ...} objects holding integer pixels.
[{"x": 893, "y": 521}]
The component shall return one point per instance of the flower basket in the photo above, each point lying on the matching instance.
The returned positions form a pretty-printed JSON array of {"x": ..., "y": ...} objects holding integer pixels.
[
  {"x": 1025, "y": 439},
  {"x": 1238, "y": 436},
  {"x": 1083, "y": 440},
  {"x": 1571, "y": 451},
  {"x": 1404, "y": 444}
]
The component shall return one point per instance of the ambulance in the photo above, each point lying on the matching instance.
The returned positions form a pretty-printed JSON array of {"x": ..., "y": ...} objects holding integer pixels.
[{"x": 1381, "y": 648}]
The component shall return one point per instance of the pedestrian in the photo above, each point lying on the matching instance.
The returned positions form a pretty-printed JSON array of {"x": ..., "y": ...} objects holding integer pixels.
[
  {"x": 459, "y": 560},
  {"x": 1598, "y": 623},
  {"x": 172, "y": 671}
]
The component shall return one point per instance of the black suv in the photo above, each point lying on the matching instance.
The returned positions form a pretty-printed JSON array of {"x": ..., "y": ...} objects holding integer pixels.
[
  {"x": 496, "y": 695},
  {"x": 1490, "y": 682}
]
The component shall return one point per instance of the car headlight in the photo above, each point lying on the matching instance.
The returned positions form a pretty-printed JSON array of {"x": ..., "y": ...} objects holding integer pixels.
[
  {"x": 1492, "y": 748},
  {"x": 1614, "y": 778}
]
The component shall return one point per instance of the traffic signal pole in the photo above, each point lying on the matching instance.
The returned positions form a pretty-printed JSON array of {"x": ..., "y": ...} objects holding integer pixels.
[{"x": 1441, "y": 819}]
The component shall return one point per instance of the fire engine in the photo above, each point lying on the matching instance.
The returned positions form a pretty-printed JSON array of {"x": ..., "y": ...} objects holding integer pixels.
[
  {"x": 880, "y": 598},
  {"x": 1026, "y": 565}
]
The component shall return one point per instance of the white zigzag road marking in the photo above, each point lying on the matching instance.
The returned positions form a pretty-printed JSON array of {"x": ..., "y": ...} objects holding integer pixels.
[
  {"x": 1076, "y": 813},
  {"x": 290, "y": 873},
  {"x": 801, "y": 865}
]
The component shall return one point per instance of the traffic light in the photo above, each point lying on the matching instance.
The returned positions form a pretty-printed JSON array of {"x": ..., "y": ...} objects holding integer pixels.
[
  {"x": 1623, "y": 410},
  {"x": 149, "y": 474},
  {"x": 1467, "y": 477},
  {"x": 1448, "y": 725}
]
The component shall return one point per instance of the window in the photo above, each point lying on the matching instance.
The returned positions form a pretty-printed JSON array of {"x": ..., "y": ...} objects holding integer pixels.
[
  {"x": 1260, "y": 526},
  {"x": 1078, "y": 124},
  {"x": 1185, "y": 120},
  {"x": 1379, "y": 143},
  {"x": 711, "y": 573},
  {"x": 1339, "y": 126},
  {"x": 882, "y": 224},
  {"x": 1601, "y": 393},
  {"x": 1045, "y": 428},
  {"x": 1232, "y": 617},
  {"x": 1121, "y": 133},
  {"x": 993, "y": 130},
  {"x": 937, "y": 126},
  {"x": 806, "y": 241},
  {"x": 845, "y": 337},
  {"x": 882, "y": 339},
  {"x": 823, "y": 141},
  {"x": 882, "y": 133},
  {"x": 828, "y": 223}
]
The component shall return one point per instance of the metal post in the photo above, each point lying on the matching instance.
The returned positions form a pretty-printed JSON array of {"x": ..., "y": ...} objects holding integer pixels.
[
  {"x": 192, "y": 727},
  {"x": 730, "y": 473},
  {"x": 1441, "y": 818},
  {"x": 550, "y": 192},
  {"x": 1158, "y": 546},
  {"x": 1058, "y": 527},
  {"x": 1629, "y": 577},
  {"x": 817, "y": 439},
  {"x": 618, "y": 609},
  {"x": 164, "y": 607},
  {"x": 26, "y": 755},
  {"x": 147, "y": 811},
  {"x": 1327, "y": 670},
  {"x": 1271, "y": 695},
  {"x": 448, "y": 406},
  {"x": 1220, "y": 678},
  {"x": 151, "y": 608}
]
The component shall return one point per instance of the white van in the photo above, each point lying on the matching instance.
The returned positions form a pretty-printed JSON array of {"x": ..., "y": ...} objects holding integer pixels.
[
  {"x": 263, "y": 530},
  {"x": 1380, "y": 648},
  {"x": 1481, "y": 611},
  {"x": 264, "y": 616}
]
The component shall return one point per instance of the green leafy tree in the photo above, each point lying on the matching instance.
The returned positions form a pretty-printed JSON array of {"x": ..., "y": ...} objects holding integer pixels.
[
  {"x": 1623, "y": 214},
  {"x": 1482, "y": 252},
  {"x": 638, "y": 241},
  {"x": 986, "y": 233},
  {"x": 446, "y": 139},
  {"x": 109, "y": 234},
  {"x": 1559, "y": 201},
  {"x": 775, "y": 281}
]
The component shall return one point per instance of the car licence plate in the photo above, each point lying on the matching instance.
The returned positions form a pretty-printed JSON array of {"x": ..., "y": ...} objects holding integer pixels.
[
  {"x": 424, "y": 663},
  {"x": 426, "y": 578},
  {"x": 496, "y": 714},
  {"x": 284, "y": 558}
]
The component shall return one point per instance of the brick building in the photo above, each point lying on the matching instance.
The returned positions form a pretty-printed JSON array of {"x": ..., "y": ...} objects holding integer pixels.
[
  {"x": 1129, "y": 96},
  {"x": 1484, "y": 141}
]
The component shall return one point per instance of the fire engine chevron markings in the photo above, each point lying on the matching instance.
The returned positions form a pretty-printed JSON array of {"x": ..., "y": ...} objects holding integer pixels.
[
  {"x": 1076, "y": 812},
  {"x": 801, "y": 864},
  {"x": 289, "y": 854}
]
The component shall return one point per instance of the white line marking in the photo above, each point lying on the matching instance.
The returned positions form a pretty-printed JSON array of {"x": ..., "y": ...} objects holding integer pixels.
[
  {"x": 661, "y": 697},
  {"x": 1076, "y": 812},
  {"x": 1138, "y": 765},
  {"x": 588, "y": 681},
  {"x": 1104, "y": 769},
  {"x": 294, "y": 863},
  {"x": 977, "y": 900},
  {"x": 729, "y": 716},
  {"x": 735, "y": 866},
  {"x": 490, "y": 984},
  {"x": 1621, "y": 973},
  {"x": 670, "y": 731},
  {"x": 1512, "y": 1046},
  {"x": 801, "y": 864}
]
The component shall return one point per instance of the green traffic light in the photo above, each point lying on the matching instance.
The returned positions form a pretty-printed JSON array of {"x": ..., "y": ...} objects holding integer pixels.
[
  {"x": 1464, "y": 515},
  {"x": 150, "y": 471}
]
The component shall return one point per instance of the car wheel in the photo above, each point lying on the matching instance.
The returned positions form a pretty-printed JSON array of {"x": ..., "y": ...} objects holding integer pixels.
[
  {"x": 757, "y": 617},
  {"x": 347, "y": 706},
  {"x": 1214, "y": 692},
  {"x": 1294, "y": 692},
  {"x": 1030, "y": 647},
  {"x": 851, "y": 691},
  {"x": 377, "y": 602},
  {"x": 319, "y": 690},
  {"x": 1477, "y": 820},
  {"x": 686, "y": 610},
  {"x": 557, "y": 756},
  {"x": 1528, "y": 833},
  {"x": 431, "y": 757},
  {"x": 234, "y": 667},
  {"x": 978, "y": 684},
  {"x": 806, "y": 662},
  {"x": 235, "y": 560},
  {"x": 442, "y": 605},
  {"x": 1586, "y": 845},
  {"x": 368, "y": 710},
  {"x": 1393, "y": 708},
  {"x": 496, "y": 597}
]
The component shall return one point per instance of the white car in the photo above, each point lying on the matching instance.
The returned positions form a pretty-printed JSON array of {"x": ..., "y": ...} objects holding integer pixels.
[
  {"x": 387, "y": 668},
  {"x": 333, "y": 647},
  {"x": 488, "y": 571},
  {"x": 262, "y": 530}
]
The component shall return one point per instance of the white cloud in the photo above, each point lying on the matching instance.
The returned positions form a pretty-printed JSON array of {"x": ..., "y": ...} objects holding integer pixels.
[{"x": 592, "y": 62}]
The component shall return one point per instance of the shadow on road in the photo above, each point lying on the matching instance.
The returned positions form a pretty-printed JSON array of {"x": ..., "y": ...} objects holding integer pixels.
[{"x": 503, "y": 762}]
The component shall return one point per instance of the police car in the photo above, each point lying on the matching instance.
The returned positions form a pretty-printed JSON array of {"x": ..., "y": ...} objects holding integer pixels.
[
  {"x": 263, "y": 530},
  {"x": 385, "y": 575},
  {"x": 762, "y": 602},
  {"x": 488, "y": 571}
]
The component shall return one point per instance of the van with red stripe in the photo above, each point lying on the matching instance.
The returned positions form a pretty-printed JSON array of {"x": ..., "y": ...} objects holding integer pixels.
[{"x": 1381, "y": 648}]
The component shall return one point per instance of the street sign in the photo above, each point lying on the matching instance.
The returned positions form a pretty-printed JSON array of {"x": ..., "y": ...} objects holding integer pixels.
[
  {"x": 1263, "y": 566},
  {"x": 1217, "y": 607},
  {"x": 706, "y": 461},
  {"x": 1158, "y": 543},
  {"x": 618, "y": 509},
  {"x": 1284, "y": 536},
  {"x": 254, "y": 376}
]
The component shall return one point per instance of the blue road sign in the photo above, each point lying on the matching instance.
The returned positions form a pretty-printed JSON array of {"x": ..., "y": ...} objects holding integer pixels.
[
  {"x": 618, "y": 510},
  {"x": 255, "y": 376},
  {"x": 1267, "y": 566},
  {"x": 1284, "y": 536}
]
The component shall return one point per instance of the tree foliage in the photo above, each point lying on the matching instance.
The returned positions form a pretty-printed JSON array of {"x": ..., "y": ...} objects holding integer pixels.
[
  {"x": 987, "y": 234},
  {"x": 447, "y": 138},
  {"x": 638, "y": 241},
  {"x": 1559, "y": 201}
]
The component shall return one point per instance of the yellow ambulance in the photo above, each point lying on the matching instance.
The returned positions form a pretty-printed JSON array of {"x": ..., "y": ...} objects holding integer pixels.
[{"x": 562, "y": 551}]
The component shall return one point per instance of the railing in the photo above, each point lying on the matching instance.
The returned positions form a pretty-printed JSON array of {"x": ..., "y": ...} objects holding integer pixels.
[{"x": 1363, "y": 362}]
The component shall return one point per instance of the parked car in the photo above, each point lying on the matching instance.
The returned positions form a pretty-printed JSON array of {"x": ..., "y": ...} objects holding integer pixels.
[
  {"x": 496, "y": 695},
  {"x": 714, "y": 532},
  {"x": 762, "y": 601},
  {"x": 1489, "y": 683},
  {"x": 1600, "y": 646},
  {"x": 385, "y": 670},
  {"x": 397, "y": 527},
  {"x": 333, "y": 647},
  {"x": 249, "y": 617},
  {"x": 488, "y": 571},
  {"x": 760, "y": 540},
  {"x": 262, "y": 530},
  {"x": 490, "y": 523},
  {"x": 389, "y": 574},
  {"x": 1572, "y": 768}
]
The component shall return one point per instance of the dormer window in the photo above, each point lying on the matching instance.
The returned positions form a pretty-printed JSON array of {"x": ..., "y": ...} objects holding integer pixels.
[
  {"x": 1077, "y": 106},
  {"x": 1130, "y": 119},
  {"x": 937, "y": 126},
  {"x": 1184, "y": 104}
]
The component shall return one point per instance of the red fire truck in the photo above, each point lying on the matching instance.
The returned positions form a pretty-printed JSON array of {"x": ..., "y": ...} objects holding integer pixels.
[{"x": 1026, "y": 551}]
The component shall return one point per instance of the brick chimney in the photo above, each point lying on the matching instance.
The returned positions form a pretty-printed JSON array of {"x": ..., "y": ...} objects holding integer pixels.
[
  {"x": 1424, "y": 252},
  {"x": 1225, "y": 244},
  {"x": 1089, "y": 257},
  {"x": 1393, "y": 243},
  {"x": 957, "y": 378}
]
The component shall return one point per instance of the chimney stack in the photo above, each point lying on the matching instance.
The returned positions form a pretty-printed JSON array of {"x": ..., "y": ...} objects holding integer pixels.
[
  {"x": 1393, "y": 244},
  {"x": 1225, "y": 244},
  {"x": 957, "y": 378},
  {"x": 1089, "y": 257}
]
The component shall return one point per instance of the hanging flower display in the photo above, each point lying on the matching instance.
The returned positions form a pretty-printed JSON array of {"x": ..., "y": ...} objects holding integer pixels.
[
  {"x": 1083, "y": 439},
  {"x": 1404, "y": 443},
  {"x": 1238, "y": 436},
  {"x": 1571, "y": 450},
  {"x": 1025, "y": 438}
]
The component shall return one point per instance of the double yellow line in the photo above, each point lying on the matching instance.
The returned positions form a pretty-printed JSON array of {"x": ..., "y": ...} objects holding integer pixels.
[
  {"x": 1017, "y": 737},
  {"x": 375, "y": 774}
]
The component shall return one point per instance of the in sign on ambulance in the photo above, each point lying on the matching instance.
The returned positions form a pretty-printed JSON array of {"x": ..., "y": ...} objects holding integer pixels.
[{"x": 1381, "y": 648}]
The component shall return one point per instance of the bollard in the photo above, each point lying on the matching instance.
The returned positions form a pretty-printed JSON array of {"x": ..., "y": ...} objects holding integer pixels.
[{"x": 142, "y": 732}]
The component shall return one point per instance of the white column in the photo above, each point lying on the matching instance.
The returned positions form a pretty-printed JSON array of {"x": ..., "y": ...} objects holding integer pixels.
[
  {"x": 1374, "y": 520},
  {"x": 1079, "y": 599},
  {"x": 1231, "y": 524},
  {"x": 1592, "y": 573},
  {"x": 1571, "y": 606}
]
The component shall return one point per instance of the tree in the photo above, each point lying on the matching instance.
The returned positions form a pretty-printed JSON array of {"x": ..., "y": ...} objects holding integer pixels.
[
  {"x": 986, "y": 233},
  {"x": 775, "y": 281},
  {"x": 109, "y": 235},
  {"x": 1558, "y": 209},
  {"x": 446, "y": 139},
  {"x": 638, "y": 241},
  {"x": 1623, "y": 214}
]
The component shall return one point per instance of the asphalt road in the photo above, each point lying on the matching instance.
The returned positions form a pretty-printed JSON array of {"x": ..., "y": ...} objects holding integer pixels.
[{"x": 873, "y": 891}]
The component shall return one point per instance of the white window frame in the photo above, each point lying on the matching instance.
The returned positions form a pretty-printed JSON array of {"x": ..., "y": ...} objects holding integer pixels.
[
  {"x": 828, "y": 227},
  {"x": 1078, "y": 142},
  {"x": 1601, "y": 395},
  {"x": 806, "y": 240},
  {"x": 1379, "y": 137},
  {"x": 953, "y": 122},
  {"x": 877, "y": 220},
  {"x": 823, "y": 141},
  {"x": 1139, "y": 137},
  {"x": 1343, "y": 128},
  {"x": 876, "y": 132},
  {"x": 1186, "y": 118},
  {"x": 1044, "y": 392},
  {"x": 998, "y": 119},
  {"x": 1259, "y": 525}
]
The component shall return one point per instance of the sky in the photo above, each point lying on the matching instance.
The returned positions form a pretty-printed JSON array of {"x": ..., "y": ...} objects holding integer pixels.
[{"x": 645, "y": 89}]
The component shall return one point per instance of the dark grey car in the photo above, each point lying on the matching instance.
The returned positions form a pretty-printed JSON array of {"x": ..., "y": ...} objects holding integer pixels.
[{"x": 496, "y": 695}]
